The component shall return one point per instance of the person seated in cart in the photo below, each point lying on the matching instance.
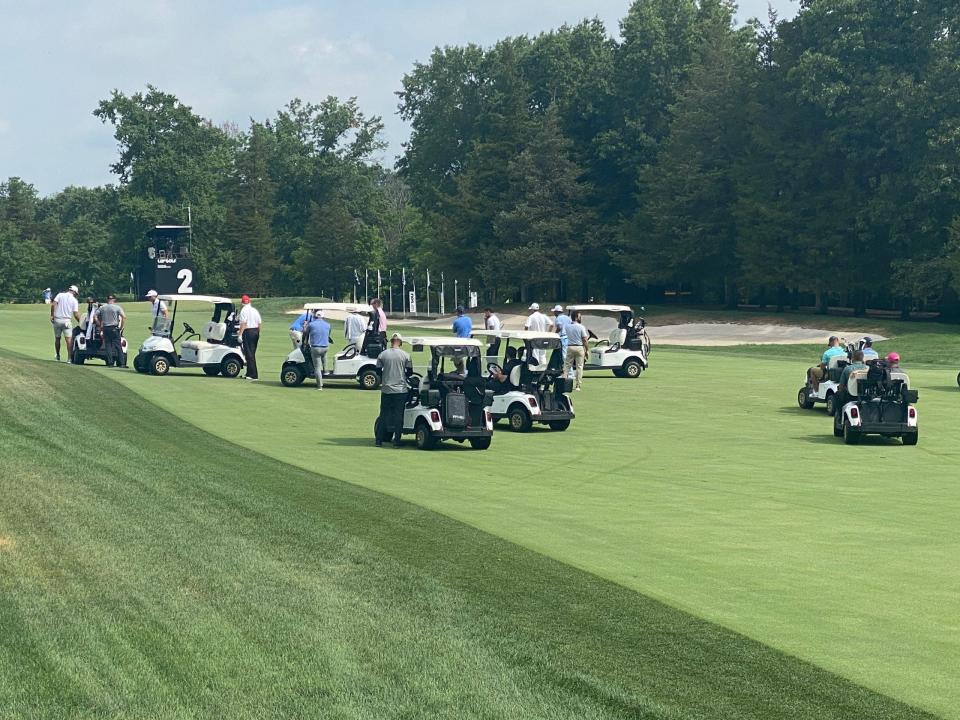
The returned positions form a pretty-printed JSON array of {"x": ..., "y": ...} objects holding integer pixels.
[
  {"x": 818, "y": 373},
  {"x": 500, "y": 381},
  {"x": 843, "y": 395}
]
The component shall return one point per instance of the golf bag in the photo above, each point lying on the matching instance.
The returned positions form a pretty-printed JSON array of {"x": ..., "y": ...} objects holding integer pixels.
[{"x": 456, "y": 410}]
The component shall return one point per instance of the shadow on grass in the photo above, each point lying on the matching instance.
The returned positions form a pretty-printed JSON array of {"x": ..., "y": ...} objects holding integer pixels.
[
  {"x": 952, "y": 389},
  {"x": 407, "y": 443}
]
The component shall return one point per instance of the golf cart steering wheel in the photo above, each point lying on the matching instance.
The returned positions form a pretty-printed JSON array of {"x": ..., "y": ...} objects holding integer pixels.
[
  {"x": 494, "y": 369},
  {"x": 186, "y": 326}
]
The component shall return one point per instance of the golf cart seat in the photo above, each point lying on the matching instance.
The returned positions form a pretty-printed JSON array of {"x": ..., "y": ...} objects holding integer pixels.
[
  {"x": 618, "y": 336},
  {"x": 515, "y": 374},
  {"x": 853, "y": 382},
  {"x": 213, "y": 334},
  {"x": 835, "y": 367}
]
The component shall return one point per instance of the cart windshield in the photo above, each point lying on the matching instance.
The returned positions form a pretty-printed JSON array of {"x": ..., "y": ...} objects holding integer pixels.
[{"x": 161, "y": 326}]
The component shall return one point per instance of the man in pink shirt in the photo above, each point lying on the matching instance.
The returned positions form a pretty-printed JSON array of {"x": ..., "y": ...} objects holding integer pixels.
[{"x": 378, "y": 318}]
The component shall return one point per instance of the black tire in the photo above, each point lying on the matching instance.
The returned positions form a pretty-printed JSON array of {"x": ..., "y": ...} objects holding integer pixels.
[
  {"x": 292, "y": 375},
  {"x": 618, "y": 372},
  {"x": 519, "y": 419},
  {"x": 139, "y": 365},
  {"x": 211, "y": 371},
  {"x": 837, "y": 429},
  {"x": 230, "y": 367},
  {"x": 850, "y": 436},
  {"x": 77, "y": 358},
  {"x": 369, "y": 379},
  {"x": 803, "y": 399},
  {"x": 425, "y": 438},
  {"x": 632, "y": 369},
  {"x": 480, "y": 443},
  {"x": 958, "y": 378},
  {"x": 159, "y": 364},
  {"x": 911, "y": 439},
  {"x": 831, "y": 403},
  {"x": 559, "y": 425}
]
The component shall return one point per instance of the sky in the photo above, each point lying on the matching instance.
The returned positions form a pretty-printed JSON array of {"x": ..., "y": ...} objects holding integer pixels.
[{"x": 232, "y": 61}]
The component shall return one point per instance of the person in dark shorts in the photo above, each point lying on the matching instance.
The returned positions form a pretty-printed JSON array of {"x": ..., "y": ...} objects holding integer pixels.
[
  {"x": 395, "y": 367},
  {"x": 110, "y": 319}
]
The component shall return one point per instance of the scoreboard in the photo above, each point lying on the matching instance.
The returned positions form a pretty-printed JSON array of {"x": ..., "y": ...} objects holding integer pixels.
[{"x": 165, "y": 263}]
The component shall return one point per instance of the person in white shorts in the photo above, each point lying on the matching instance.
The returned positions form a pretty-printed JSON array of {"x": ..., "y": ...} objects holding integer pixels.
[{"x": 63, "y": 310}]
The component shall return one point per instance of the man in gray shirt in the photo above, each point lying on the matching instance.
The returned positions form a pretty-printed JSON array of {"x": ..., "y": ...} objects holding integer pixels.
[
  {"x": 110, "y": 319},
  {"x": 395, "y": 367}
]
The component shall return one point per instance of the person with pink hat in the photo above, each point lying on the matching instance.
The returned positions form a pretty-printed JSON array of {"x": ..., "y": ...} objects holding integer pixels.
[
  {"x": 893, "y": 360},
  {"x": 249, "y": 332}
]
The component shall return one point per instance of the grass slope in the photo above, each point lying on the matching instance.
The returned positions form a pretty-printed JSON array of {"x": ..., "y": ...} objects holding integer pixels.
[
  {"x": 162, "y": 572},
  {"x": 701, "y": 485}
]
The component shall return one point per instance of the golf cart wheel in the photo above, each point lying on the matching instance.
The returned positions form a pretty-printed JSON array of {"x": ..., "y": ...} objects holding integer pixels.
[
  {"x": 831, "y": 403},
  {"x": 911, "y": 439},
  {"x": 837, "y": 428},
  {"x": 850, "y": 436},
  {"x": 559, "y": 425},
  {"x": 803, "y": 399},
  {"x": 618, "y": 372},
  {"x": 292, "y": 376},
  {"x": 425, "y": 439},
  {"x": 77, "y": 357},
  {"x": 369, "y": 379},
  {"x": 958, "y": 378},
  {"x": 159, "y": 364},
  {"x": 519, "y": 419},
  {"x": 480, "y": 443},
  {"x": 139, "y": 365},
  {"x": 632, "y": 369},
  {"x": 231, "y": 367},
  {"x": 211, "y": 371}
]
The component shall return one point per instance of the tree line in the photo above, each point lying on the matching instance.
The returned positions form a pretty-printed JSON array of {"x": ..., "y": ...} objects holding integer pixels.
[{"x": 814, "y": 160}]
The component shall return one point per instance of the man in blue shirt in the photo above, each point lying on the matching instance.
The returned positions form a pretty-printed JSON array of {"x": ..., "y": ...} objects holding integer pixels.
[
  {"x": 317, "y": 333},
  {"x": 818, "y": 373},
  {"x": 869, "y": 354},
  {"x": 296, "y": 330},
  {"x": 560, "y": 322},
  {"x": 462, "y": 324}
]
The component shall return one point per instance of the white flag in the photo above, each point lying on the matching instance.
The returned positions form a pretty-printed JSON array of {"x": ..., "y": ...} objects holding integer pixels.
[
  {"x": 428, "y": 278},
  {"x": 404, "y": 276}
]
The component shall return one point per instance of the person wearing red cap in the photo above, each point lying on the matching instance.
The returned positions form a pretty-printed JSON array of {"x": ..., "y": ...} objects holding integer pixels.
[{"x": 250, "y": 322}]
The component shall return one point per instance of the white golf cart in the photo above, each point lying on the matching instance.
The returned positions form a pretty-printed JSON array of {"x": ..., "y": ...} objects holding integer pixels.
[
  {"x": 449, "y": 403},
  {"x": 357, "y": 361},
  {"x": 532, "y": 393},
  {"x": 826, "y": 391},
  {"x": 626, "y": 349},
  {"x": 88, "y": 342},
  {"x": 216, "y": 349},
  {"x": 880, "y": 403}
]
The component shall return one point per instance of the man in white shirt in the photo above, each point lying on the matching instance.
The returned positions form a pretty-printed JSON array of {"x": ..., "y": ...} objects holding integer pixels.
[
  {"x": 492, "y": 322},
  {"x": 158, "y": 308},
  {"x": 354, "y": 325},
  {"x": 63, "y": 309},
  {"x": 538, "y": 322},
  {"x": 250, "y": 323}
]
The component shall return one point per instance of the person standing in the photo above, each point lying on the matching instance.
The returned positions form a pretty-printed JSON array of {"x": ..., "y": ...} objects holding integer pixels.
[
  {"x": 354, "y": 326},
  {"x": 296, "y": 329},
  {"x": 47, "y": 294},
  {"x": 378, "y": 321},
  {"x": 538, "y": 322},
  {"x": 317, "y": 331},
  {"x": 560, "y": 322},
  {"x": 110, "y": 320},
  {"x": 249, "y": 332},
  {"x": 395, "y": 368},
  {"x": 63, "y": 309},
  {"x": 158, "y": 308},
  {"x": 462, "y": 324},
  {"x": 576, "y": 350},
  {"x": 492, "y": 322}
]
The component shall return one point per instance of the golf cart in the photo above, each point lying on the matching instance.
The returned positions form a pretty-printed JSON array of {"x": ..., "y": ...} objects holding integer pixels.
[
  {"x": 216, "y": 348},
  {"x": 88, "y": 342},
  {"x": 827, "y": 389},
  {"x": 881, "y": 403},
  {"x": 627, "y": 348},
  {"x": 357, "y": 361},
  {"x": 533, "y": 393},
  {"x": 449, "y": 405}
]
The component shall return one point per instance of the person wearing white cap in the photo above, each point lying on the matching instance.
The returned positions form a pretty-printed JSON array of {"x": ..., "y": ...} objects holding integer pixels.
[
  {"x": 538, "y": 322},
  {"x": 158, "y": 307},
  {"x": 63, "y": 309}
]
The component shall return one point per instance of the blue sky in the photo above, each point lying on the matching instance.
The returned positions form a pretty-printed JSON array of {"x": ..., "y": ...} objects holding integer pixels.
[{"x": 231, "y": 61}]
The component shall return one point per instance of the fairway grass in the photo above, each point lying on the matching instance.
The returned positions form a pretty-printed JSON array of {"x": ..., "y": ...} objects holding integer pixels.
[{"x": 701, "y": 485}]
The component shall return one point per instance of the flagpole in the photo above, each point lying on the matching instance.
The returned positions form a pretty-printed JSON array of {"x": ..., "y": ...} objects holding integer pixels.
[
  {"x": 391, "y": 291},
  {"x": 366, "y": 286},
  {"x": 403, "y": 295},
  {"x": 428, "y": 292}
]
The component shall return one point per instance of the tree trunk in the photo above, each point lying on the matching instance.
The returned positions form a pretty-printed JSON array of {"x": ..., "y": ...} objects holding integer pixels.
[
  {"x": 905, "y": 308},
  {"x": 822, "y": 305},
  {"x": 782, "y": 294},
  {"x": 795, "y": 299},
  {"x": 860, "y": 303},
  {"x": 729, "y": 294}
]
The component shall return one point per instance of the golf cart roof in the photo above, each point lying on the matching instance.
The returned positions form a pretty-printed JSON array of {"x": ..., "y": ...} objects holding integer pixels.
[
  {"x": 335, "y": 307},
  {"x": 199, "y": 298},
  {"x": 599, "y": 308},
  {"x": 517, "y": 334},
  {"x": 441, "y": 342}
]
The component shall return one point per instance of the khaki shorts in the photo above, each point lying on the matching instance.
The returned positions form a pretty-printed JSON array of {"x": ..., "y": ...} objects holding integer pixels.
[
  {"x": 61, "y": 326},
  {"x": 818, "y": 373}
]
